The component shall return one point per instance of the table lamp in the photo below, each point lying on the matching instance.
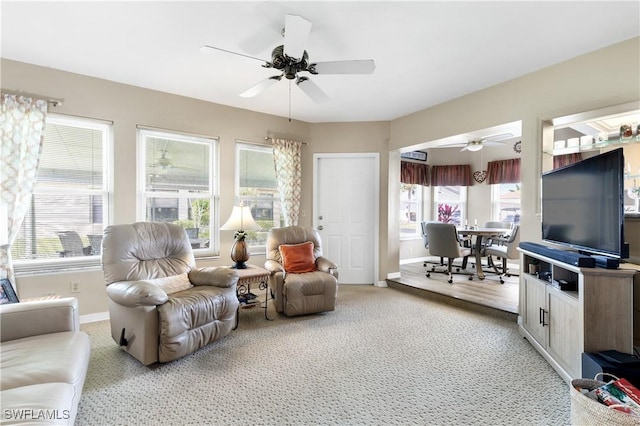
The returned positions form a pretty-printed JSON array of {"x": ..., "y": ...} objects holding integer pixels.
[{"x": 240, "y": 221}]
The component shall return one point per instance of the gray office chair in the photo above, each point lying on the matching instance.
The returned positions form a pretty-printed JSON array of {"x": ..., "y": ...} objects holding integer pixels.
[
  {"x": 504, "y": 248},
  {"x": 444, "y": 242},
  {"x": 496, "y": 224},
  {"x": 425, "y": 241}
]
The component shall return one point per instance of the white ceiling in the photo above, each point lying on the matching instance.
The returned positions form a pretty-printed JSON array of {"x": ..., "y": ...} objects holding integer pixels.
[{"x": 425, "y": 52}]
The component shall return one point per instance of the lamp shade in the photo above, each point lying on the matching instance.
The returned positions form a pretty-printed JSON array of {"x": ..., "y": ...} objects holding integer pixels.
[{"x": 240, "y": 220}]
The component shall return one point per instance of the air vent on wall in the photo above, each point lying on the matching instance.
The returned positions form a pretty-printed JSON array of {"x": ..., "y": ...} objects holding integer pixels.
[{"x": 415, "y": 155}]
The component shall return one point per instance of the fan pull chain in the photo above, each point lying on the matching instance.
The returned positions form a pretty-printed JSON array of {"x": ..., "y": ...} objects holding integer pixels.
[{"x": 289, "y": 101}]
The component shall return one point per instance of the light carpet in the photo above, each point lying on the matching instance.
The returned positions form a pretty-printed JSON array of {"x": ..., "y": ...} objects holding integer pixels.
[{"x": 382, "y": 357}]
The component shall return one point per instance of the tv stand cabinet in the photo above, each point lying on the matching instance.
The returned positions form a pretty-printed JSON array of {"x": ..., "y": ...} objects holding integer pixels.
[{"x": 594, "y": 313}]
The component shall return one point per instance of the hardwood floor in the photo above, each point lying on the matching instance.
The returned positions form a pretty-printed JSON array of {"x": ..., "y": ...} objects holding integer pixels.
[{"x": 487, "y": 295}]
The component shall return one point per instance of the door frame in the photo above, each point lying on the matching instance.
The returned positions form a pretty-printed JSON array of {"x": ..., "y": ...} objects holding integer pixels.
[{"x": 375, "y": 156}]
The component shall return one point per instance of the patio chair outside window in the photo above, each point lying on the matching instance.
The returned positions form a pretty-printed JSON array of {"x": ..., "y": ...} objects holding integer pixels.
[{"x": 72, "y": 245}]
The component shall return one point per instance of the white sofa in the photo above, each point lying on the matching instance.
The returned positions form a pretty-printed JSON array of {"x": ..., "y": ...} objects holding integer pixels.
[{"x": 43, "y": 361}]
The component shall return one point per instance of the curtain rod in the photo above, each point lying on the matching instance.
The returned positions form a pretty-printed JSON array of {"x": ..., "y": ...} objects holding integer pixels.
[
  {"x": 53, "y": 101},
  {"x": 266, "y": 138}
]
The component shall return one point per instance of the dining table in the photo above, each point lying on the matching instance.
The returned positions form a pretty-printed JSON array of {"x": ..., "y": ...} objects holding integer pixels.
[{"x": 480, "y": 234}]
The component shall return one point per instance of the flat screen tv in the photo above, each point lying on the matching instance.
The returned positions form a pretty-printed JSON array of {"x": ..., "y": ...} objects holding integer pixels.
[{"x": 583, "y": 205}]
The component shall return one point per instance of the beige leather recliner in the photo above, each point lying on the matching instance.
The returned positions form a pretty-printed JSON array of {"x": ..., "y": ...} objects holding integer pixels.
[
  {"x": 161, "y": 306},
  {"x": 300, "y": 293}
]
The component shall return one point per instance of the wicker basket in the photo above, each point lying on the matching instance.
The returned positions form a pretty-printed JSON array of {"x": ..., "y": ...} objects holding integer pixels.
[{"x": 586, "y": 411}]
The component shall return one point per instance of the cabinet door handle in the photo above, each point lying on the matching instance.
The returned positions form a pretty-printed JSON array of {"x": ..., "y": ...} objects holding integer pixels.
[{"x": 540, "y": 316}]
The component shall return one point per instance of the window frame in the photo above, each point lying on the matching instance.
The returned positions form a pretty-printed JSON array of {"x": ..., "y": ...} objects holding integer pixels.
[
  {"x": 260, "y": 249},
  {"x": 496, "y": 190},
  {"x": 213, "y": 195},
  {"x": 462, "y": 202},
  {"x": 421, "y": 203},
  {"x": 47, "y": 265}
]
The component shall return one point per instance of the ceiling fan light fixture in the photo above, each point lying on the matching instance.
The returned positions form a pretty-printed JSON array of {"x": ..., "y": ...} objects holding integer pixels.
[{"x": 474, "y": 146}]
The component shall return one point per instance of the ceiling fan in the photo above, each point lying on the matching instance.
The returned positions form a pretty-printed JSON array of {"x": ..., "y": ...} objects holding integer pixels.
[
  {"x": 165, "y": 165},
  {"x": 291, "y": 59},
  {"x": 478, "y": 143},
  {"x": 163, "y": 161}
]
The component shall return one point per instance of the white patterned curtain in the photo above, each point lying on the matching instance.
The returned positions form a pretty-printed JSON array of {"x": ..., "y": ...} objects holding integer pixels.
[
  {"x": 286, "y": 155},
  {"x": 21, "y": 126}
]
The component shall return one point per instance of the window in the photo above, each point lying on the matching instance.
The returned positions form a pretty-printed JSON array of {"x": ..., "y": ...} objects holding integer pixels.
[
  {"x": 450, "y": 204},
  {"x": 257, "y": 188},
  {"x": 410, "y": 210},
  {"x": 505, "y": 203},
  {"x": 70, "y": 204},
  {"x": 178, "y": 184}
]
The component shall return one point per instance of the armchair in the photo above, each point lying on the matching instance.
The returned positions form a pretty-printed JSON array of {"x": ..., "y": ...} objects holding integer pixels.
[
  {"x": 444, "y": 242},
  {"x": 302, "y": 281},
  {"x": 161, "y": 306}
]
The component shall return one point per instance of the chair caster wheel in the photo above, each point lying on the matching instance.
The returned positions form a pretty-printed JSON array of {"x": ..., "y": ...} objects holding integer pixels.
[
  {"x": 501, "y": 281},
  {"x": 470, "y": 278},
  {"x": 428, "y": 275},
  {"x": 450, "y": 281},
  {"x": 457, "y": 269}
]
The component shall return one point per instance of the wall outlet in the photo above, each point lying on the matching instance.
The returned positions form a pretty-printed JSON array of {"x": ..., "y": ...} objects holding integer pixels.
[{"x": 75, "y": 286}]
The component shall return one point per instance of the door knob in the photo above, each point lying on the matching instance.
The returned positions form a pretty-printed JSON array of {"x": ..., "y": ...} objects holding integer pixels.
[{"x": 320, "y": 228}]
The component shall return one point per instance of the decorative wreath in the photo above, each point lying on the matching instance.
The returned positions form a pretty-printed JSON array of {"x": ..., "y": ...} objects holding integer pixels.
[{"x": 517, "y": 147}]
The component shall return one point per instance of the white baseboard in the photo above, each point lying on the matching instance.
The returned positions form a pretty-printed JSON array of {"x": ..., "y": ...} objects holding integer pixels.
[
  {"x": 100, "y": 316},
  {"x": 393, "y": 275},
  {"x": 383, "y": 283},
  {"x": 414, "y": 260}
]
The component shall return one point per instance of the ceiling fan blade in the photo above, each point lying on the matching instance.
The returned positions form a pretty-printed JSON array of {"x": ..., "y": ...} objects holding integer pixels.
[
  {"x": 206, "y": 48},
  {"x": 268, "y": 31},
  {"x": 296, "y": 33},
  {"x": 312, "y": 90},
  {"x": 497, "y": 137},
  {"x": 364, "y": 66},
  {"x": 258, "y": 88}
]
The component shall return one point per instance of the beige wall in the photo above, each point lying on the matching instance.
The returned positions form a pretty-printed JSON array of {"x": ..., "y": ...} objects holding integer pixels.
[
  {"x": 367, "y": 137},
  {"x": 589, "y": 82},
  {"x": 585, "y": 83},
  {"x": 128, "y": 106}
]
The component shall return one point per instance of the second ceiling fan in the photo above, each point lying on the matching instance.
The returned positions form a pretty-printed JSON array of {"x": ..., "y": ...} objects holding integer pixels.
[
  {"x": 477, "y": 144},
  {"x": 291, "y": 59}
]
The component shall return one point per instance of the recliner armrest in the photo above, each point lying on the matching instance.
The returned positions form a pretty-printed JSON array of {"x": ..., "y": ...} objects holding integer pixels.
[
  {"x": 25, "y": 319},
  {"x": 273, "y": 266},
  {"x": 325, "y": 265},
  {"x": 136, "y": 293},
  {"x": 214, "y": 276}
]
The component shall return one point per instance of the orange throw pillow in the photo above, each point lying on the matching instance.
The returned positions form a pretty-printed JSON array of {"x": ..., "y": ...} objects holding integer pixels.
[{"x": 298, "y": 258}]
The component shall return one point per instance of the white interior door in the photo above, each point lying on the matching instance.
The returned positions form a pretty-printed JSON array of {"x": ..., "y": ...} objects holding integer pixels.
[{"x": 346, "y": 197}]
